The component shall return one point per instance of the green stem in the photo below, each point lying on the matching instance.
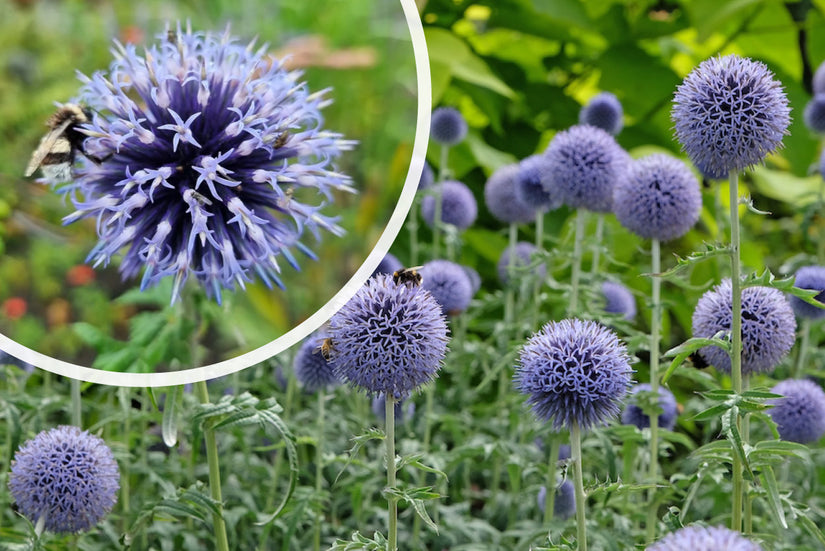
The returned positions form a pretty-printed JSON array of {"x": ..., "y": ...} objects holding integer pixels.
[
  {"x": 319, "y": 466},
  {"x": 221, "y": 541},
  {"x": 820, "y": 246},
  {"x": 746, "y": 429},
  {"x": 392, "y": 503},
  {"x": 76, "y": 414},
  {"x": 801, "y": 355},
  {"x": 412, "y": 227},
  {"x": 577, "y": 263},
  {"x": 736, "y": 339},
  {"x": 578, "y": 483},
  {"x": 597, "y": 245},
  {"x": 655, "y": 330},
  {"x": 550, "y": 500},
  {"x": 442, "y": 175},
  {"x": 538, "y": 282}
]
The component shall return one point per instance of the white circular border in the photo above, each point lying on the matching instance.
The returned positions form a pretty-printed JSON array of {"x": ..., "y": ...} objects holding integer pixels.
[{"x": 298, "y": 333}]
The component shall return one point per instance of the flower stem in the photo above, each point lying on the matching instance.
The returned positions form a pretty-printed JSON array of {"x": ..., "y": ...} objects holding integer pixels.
[
  {"x": 597, "y": 244},
  {"x": 412, "y": 227},
  {"x": 392, "y": 504},
  {"x": 550, "y": 499},
  {"x": 577, "y": 263},
  {"x": 578, "y": 483},
  {"x": 77, "y": 417},
  {"x": 319, "y": 465},
  {"x": 801, "y": 356},
  {"x": 655, "y": 330},
  {"x": 736, "y": 339},
  {"x": 442, "y": 175},
  {"x": 221, "y": 542},
  {"x": 538, "y": 282}
]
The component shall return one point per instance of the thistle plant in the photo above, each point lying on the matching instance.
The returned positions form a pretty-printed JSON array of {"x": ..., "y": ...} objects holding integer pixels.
[
  {"x": 447, "y": 128},
  {"x": 619, "y": 300},
  {"x": 701, "y": 538},
  {"x": 800, "y": 413},
  {"x": 449, "y": 284},
  {"x": 811, "y": 278},
  {"x": 603, "y": 111}
]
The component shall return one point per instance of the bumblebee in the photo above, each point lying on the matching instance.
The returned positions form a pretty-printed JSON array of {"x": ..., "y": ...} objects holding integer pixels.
[
  {"x": 408, "y": 276},
  {"x": 326, "y": 348},
  {"x": 58, "y": 148}
]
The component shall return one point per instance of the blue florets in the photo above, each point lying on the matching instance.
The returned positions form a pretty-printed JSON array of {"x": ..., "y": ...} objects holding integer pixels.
[
  {"x": 603, "y": 111},
  {"x": 449, "y": 284},
  {"x": 458, "y": 205},
  {"x": 814, "y": 114},
  {"x": 534, "y": 184},
  {"x": 447, "y": 126},
  {"x": 389, "y": 338},
  {"x": 211, "y": 149},
  {"x": 800, "y": 415},
  {"x": 701, "y": 538},
  {"x": 658, "y": 197},
  {"x": 502, "y": 200},
  {"x": 523, "y": 257},
  {"x": 67, "y": 475},
  {"x": 811, "y": 278},
  {"x": 585, "y": 163},
  {"x": 729, "y": 114},
  {"x": 564, "y": 502},
  {"x": 768, "y": 326},
  {"x": 574, "y": 372},
  {"x": 312, "y": 370},
  {"x": 619, "y": 300},
  {"x": 634, "y": 415}
]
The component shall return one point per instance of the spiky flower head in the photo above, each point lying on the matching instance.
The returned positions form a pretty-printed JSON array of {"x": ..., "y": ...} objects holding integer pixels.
[
  {"x": 449, "y": 284},
  {"x": 701, "y": 538},
  {"x": 388, "y": 265},
  {"x": 811, "y": 278},
  {"x": 619, "y": 300},
  {"x": 458, "y": 205},
  {"x": 657, "y": 197},
  {"x": 66, "y": 477},
  {"x": 634, "y": 415},
  {"x": 768, "y": 326},
  {"x": 534, "y": 185},
  {"x": 211, "y": 149},
  {"x": 574, "y": 372},
  {"x": 814, "y": 114},
  {"x": 502, "y": 200},
  {"x": 800, "y": 414},
  {"x": 603, "y": 111},
  {"x": 389, "y": 338},
  {"x": 729, "y": 114},
  {"x": 404, "y": 410},
  {"x": 521, "y": 258},
  {"x": 312, "y": 370},
  {"x": 564, "y": 502},
  {"x": 585, "y": 162},
  {"x": 447, "y": 126}
]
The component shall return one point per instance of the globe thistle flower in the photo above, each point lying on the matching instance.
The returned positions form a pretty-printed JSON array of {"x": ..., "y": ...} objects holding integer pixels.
[
  {"x": 633, "y": 414},
  {"x": 812, "y": 278},
  {"x": 458, "y": 205},
  {"x": 449, "y": 284},
  {"x": 66, "y": 478},
  {"x": 701, "y": 538},
  {"x": 523, "y": 257},
  {"x": 818, "y": 82},
  {"x": 729, "y": 114},
  {"x": 388, "y": 265},
  {"x": 502, "y": 200},
  {"x": 822, "y": 163},
  {"x": 768, "y": 326},
  {"x": 389, "y": 338},
  {"x": 814, "y": 114},
  {"x": 534, "y": 184},
  {"x": 311, "y": 369},
  {"x": 619, "y": 300},
  {"x": 403, "y": 410},
  {"x": 585, "y": 163},
  {"x": 658, "y": 197},
  {"x": 427, "y": 177},
  {"x": 800, "y": 414},
  {"x": 603, "y": 111},
  {"x": 447, "y": 126},
  {"x": 210, "y": 148},
  {"x": 574, "y": 372},
  {"x": 475, "y": 278},
  {"x": 564, "y": 503}
]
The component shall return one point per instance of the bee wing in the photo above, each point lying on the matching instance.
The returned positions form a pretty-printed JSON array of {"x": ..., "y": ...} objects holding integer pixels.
[{"x": 46, "y": 144}]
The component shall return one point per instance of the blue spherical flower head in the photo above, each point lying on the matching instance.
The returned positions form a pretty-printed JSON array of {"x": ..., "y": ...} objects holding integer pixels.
[
  {"x": 427, "y": 177},
  {"x": 447, "y": 126},
  {"x": 812, "y": 278},
  {"x": 312, "y": 370},
  {"x": 534, "y": 185},
  {"x": 502, "y": 200},
  {"x": 818, "y": 82},
  {"x": 210, "y": 149},
  {"x": 458, "y": 205},
  {"x": 800, "y": 414},
  {"x": 814, "y": 114},
  {"x": 475, "y": 278},
  {"x": 768, "y": 326},
  {"x": 729, "y": 114},
  {"x": 65, "y": 476},
  {"x": 619, "y": 300},
  {"x": 574, "y": 372},
  {"x": 701, "y": 538},
  {"x": 564, "y": 503},
  {"x": 449, "y": 284},
  {"x": 585, "y": 163},
  {"x": 634, "y": 415},
  {"x": 523, "y": 257},
  {"x": 388, "y": 265},
  {"x": 603, "y": 111},
  {"x": 404, "y": 411},
  {"x": 389, "y": 338},
  {"x": 657, "y": 197}
]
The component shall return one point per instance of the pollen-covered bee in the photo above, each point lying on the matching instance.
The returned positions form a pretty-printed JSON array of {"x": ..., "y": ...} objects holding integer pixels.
[
  {"x": 326, "y": 348},
  {"x": 408, "y": 276},
  {"x": 281, "y": 140},
  {"x": 58, "y": 148}
]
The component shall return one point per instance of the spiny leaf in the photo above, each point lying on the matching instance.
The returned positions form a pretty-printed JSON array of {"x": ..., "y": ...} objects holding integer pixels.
[
  {"x": 711, "y": 251},
  {"x": 772, "y": 491}
]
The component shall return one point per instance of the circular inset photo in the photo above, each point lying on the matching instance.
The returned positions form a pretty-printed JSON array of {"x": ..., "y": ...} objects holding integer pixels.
[{"x": 189, "y": 192}]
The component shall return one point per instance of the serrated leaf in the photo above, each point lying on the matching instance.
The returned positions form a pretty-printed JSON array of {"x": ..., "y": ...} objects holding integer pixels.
[
  {"x": 683, "y": 351},
  {"x": 683, "y": 263}
]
